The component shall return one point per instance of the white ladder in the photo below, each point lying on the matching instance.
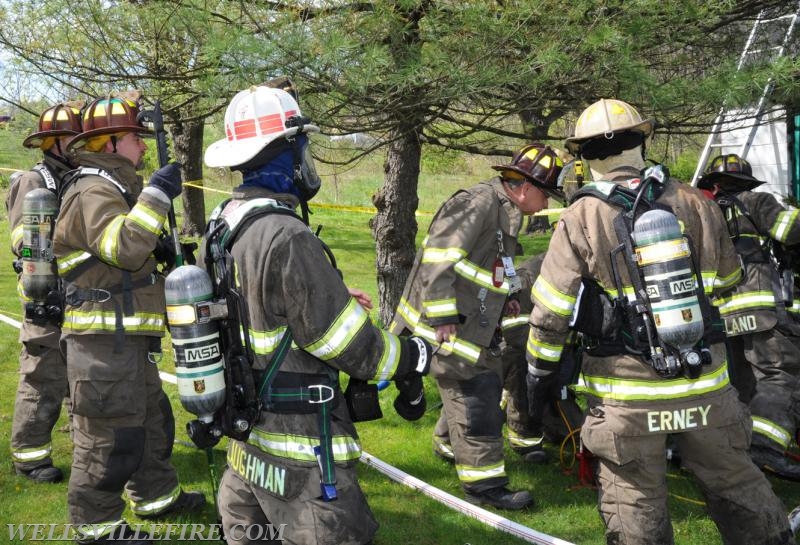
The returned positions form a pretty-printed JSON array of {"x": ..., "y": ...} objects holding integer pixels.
[{"x": 724, "y": 116}]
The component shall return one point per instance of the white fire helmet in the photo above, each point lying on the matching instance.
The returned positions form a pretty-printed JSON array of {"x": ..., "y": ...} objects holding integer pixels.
[{"x": 255, "y": 118}]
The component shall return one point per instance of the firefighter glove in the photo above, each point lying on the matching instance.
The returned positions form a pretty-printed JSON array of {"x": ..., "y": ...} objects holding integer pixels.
[
  {"x": 164, "y": 251},
  {"x": 541, "y": 391},
  {"x": 168, "y": 180},
  {"x": 410, "y": 401}
]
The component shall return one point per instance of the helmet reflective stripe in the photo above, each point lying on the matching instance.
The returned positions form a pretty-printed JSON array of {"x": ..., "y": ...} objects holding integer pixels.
[
  {"x": 262, "y": 126},
  {"x": 390, "y": 358},
  {"x": 648, "y": 390},
  {"x": 772, "y": 431},
  {"x": 558, "y": 302},
  {"x": 32, "y": 454},
  {"x": 301, "y": 447},
  {"x": 340, "y": 333},
  {"x": 543, "y": 351},
  {"x": 157, "y": 505},
  {"x": 783, "y": 223},
  {"x": 106, "y": 321},
  {"x": 469, "y": 474},
  {"x": 748, "y": 300}
]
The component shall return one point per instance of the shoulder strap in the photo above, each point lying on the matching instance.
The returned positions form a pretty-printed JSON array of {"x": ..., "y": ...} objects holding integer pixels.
[
  {"x": 74, "y": 175},
  {"x": 47, "y": 176}
]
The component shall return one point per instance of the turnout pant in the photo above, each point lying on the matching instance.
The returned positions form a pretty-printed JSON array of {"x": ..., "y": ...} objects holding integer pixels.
[
  {"x": 775, "y": 361},
  {"x": 472, "y": 421},
  {"x": 40, "y": 393},
  {"x": 251, "y": 515},
  {"x": 633, "y": 485},
  {"x": 123, "y": 430}
]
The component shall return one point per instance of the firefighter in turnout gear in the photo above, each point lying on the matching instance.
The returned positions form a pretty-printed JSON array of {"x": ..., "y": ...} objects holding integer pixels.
[
  {"x": 562, "y": 413},
  {"x": 297, "y": 466},
  {"x": 638, "y": 391},
  {"x": 455, "y": 296},
  {"x": 107, "y": 229},
  {"x": 43, "y": 370},
  {"x": 757, "y": 314}
]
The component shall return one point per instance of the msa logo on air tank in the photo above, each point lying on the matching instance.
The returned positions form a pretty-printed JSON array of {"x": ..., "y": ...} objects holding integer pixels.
[
  {"x": 202, "y": 353},
  {"x": 681, "y": 286}
]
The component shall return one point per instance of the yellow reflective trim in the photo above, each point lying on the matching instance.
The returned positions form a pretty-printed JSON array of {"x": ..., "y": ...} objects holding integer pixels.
[
  {"x": 519, "y": 441},
  {"x": 265, "y": 342},
  {"x": 469, "y": 474},
  {"x": 465, "y": 350},
  {"x": 514, "y": 321},
  {"x": 741, "y": 301},
  {"x": 301, "y": 447},
  {"x": 72, "y": 260},
  {"x": 109, "y": 240},
  {"x": 470, "y": 271},
  {"x": 554, "y": 300},
  {"x": 653, "y": 390},
  {"x": 32, "y": 454},
  {"x": 442, "y": 255},
  {"x": 783, "y": 223},
  {"x": 440, "y": 307},
  {"x": 157, "y": 505},
  {"x": 772, "y": 431},
  {"x": 106, "y": 321},
  {"x": 147, "y": 218},
  {"x": 722, "y": 282},
  {"x": 97, "y": 530},
  {"x": 341, "y": 332},
  {"x": 16, "y": 236},
  {"x": 390, "y": 358},
  {"x": 543, "y": 351}
]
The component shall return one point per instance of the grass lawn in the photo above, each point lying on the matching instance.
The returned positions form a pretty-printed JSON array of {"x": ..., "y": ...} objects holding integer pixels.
[{"x": 563, "y": 508}]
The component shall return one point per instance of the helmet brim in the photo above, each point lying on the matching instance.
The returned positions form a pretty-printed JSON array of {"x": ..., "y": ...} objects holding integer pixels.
[
  {"x": 573, "y": 143},
  {"x": 35, "y": 140},
  {"x": 79, "y": 141},
  {"x": 728, "y": 181},
  {"x": 232, "y": 153}
]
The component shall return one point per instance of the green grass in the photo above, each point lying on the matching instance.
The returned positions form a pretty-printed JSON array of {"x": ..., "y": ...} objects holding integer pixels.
[{"x": 563, "y": 509}]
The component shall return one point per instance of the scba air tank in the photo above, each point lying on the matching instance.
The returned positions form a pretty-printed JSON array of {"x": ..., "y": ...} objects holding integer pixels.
[
  {"x": 39, "y": 274},
  {"x": 664, "y": 259},
  {"x": 199, "y": 364}
]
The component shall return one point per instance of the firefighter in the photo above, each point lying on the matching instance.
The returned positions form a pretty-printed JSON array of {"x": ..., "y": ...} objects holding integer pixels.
[
  {"x": 297, "y": 467},
  {"x": 107, "y": 229},
  {"x": 562, "y": 414},
  {"x": 637, "y": 387},
  {"x": 43, "y": 371},
  {"x": 455, "y": 296},
  {"x": 757, "y": 314}
]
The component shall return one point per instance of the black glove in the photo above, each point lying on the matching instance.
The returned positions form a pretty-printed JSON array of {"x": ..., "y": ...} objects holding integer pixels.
[
  {"x": 164, "y": 252},
  {"x": 410, "y": 401},
  {"x": 189, "y": 248},
  {"x": 168, "y": 180},
  {"x": 541, "y": 391}
]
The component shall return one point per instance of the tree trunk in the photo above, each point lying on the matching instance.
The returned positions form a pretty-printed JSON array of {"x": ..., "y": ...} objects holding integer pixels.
[
  {"x": 187, "y": 140},
  {"x": 394, "y": 227}
]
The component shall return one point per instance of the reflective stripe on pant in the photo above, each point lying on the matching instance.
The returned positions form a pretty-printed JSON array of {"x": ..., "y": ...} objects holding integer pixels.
[
  {"x": 40, "y": 393},
  {"x": 122, "y": 428},
  {"x": 633, "y": 485},
  {"x": 471, "y": 409},
  {"x": 775, "y": 360}
]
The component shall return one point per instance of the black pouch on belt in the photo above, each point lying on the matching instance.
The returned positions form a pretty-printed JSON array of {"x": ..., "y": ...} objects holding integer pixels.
[{"x": 362, "y": 400}]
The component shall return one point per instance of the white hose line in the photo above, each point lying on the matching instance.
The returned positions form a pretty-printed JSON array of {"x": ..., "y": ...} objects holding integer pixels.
[{"x": 487, "y": 517}]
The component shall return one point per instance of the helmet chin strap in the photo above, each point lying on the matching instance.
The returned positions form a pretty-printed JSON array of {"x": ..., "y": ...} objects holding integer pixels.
[{"x": 628, "y": 158}]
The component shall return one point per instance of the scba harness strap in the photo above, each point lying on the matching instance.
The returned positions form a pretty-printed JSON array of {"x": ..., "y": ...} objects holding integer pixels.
[{"x": 278, "y": 392}]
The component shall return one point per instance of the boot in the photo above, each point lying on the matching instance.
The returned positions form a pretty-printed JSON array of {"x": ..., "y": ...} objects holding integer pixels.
[
  {"x": 775, "y": 462},
  {"x": 501, "y": 498},
  {"x": 42, "y": 474},
  {"x": 794, "y": 520},
  {"x": 187, "y": 502},
  {"x": 443, "y": 450},
  {"x": 122, "y": 535},
  {"x": 535, "y": 455}
]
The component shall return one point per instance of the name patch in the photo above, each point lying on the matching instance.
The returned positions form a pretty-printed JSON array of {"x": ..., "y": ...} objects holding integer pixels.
[
  {"x": 678, "y": 420},
  {"x": 257, "y": 471}
]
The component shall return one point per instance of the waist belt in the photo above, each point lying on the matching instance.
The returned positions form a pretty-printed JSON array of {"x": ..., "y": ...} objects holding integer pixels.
[
  {"x": 76, "y": 296},
  {"x": 308, "y": 393}
]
